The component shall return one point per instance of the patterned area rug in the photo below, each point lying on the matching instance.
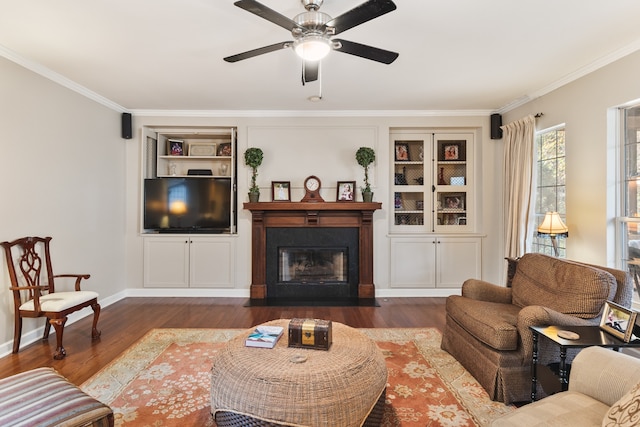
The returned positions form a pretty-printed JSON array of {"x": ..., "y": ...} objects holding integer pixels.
[{"x": 163, "y": 380}]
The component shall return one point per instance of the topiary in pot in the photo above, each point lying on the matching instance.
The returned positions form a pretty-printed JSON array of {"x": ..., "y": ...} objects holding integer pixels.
[
  {"x": 365, "y": 156},
  {"x": 253, "y": 158}
]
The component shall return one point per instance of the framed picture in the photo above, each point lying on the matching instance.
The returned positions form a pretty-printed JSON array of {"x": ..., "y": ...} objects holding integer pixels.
[
  {"x": 175, "y": 147},
  {"x": 206, "y": 149},
  {"x": 402, "y": 152},
  {"x": 281, "y": 191},
  {"x": 452, "y": 152},
  {"x": 346, "y": 191},
  {"x": 453, "y": 202},
  {"x": 224, "y": 149},
  {"x": 618, "y": 321}
]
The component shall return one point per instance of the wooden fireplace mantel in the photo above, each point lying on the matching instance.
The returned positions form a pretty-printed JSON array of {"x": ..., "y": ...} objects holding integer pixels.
[{"x": 311, "y": 214}]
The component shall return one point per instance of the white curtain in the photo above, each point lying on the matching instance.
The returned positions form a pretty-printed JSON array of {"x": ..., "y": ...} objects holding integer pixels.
[{"x": 519, "y": 159}]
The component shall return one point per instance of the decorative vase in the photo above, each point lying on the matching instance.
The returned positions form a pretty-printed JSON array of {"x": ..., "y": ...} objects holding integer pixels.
[
  {"x": 367, "y": 197},
  {"x": 254, "y": 197},
  {"x": 441, "y": 180}
]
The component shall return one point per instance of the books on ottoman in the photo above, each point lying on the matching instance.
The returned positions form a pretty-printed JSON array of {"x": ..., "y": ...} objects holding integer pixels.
[{"x": 264, "y": 336}]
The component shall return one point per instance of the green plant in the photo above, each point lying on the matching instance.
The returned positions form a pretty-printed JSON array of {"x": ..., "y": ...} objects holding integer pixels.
[
  {"x": 365, "y": 156},
  {"x": 253, "y": 158}
]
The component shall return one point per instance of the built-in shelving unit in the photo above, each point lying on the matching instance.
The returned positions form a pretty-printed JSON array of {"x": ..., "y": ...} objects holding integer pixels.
[
  {"x": 189, "y": 178},
  {"x": 432, "y": 230}
]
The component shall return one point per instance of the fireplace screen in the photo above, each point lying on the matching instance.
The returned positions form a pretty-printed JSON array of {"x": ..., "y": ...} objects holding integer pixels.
[{"x": 316, "y": 265}]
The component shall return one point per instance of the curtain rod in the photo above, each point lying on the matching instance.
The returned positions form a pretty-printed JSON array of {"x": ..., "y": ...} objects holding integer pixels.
[{"x": 537, "y": 116}]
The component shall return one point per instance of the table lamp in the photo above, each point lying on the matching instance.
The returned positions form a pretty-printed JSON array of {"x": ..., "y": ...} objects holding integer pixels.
[{"x": 552, "y": 226}]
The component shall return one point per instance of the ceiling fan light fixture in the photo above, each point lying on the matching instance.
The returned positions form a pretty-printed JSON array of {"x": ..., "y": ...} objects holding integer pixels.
[{"x": 312, "y": 48}]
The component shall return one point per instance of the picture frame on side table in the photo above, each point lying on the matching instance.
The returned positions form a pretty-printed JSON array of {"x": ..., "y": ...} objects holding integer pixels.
[
  {"x": 618, "y": 321},
  {"x": 281, "y": 191},
  {"x": 402, "y": 152},
  {"x": 346, "y": 191},
  {"x": 175, "y": 147}
]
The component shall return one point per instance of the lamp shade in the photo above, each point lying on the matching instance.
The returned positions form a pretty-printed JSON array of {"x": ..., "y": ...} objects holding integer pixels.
[{"x": 552, "y": 225}]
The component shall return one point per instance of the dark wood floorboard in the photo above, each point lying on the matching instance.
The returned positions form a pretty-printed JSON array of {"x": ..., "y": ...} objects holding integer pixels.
[{"x": 125, "y": 322}]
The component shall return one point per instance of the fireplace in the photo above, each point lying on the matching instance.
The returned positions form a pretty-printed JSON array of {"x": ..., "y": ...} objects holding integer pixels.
[
  {"x": 305, "y": 263},
  {"x": 309, "y": 251}
]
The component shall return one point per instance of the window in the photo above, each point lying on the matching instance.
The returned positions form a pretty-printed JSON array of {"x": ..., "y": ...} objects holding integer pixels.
[
  {"x": 550, "y": 188},
  {"x": 629, "y": 241}
]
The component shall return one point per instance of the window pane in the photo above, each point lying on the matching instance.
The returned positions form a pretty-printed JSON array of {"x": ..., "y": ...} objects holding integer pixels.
[
  {"x": 550, "y": 190},
  {"x": 547, "y": 173}
]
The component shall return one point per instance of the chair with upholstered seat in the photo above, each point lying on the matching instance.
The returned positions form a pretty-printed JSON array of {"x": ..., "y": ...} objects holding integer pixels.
[{"x": 34, "y": 294}]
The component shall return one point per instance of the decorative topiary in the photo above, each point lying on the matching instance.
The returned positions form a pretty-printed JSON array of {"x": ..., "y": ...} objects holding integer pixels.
[
  {"x": 253, "y": 158},
  {"x": 365, "y": 156}
]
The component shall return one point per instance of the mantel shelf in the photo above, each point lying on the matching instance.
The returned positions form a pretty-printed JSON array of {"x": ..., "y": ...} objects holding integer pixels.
[{"x": 313, "y": 206}]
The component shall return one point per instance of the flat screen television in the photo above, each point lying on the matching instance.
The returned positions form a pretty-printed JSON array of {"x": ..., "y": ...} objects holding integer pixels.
[{"x": 188, "y": 205}]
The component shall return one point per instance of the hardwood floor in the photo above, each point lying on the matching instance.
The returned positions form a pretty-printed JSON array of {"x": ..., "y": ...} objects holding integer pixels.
[{"x": 125, "y": 322}]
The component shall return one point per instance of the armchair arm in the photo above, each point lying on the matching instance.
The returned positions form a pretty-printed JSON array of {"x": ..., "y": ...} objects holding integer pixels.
[
  {"x": 78, "y": 278},
  {"x": 35, "y": 290},
  {"x": 537, "y": 315},
  {"x": 615, "y": 375},
  {"x": 485, "y": 291}
]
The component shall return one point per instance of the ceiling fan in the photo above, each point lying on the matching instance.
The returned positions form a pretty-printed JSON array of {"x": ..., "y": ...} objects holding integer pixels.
[{"x": 313, "y": 33}]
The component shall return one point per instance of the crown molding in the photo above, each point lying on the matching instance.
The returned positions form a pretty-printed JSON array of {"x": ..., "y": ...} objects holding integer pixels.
[
  {"x": 303, "y": 113},
  {"x": 58, "y": 78},
  {"x": 571, "y": 77}
]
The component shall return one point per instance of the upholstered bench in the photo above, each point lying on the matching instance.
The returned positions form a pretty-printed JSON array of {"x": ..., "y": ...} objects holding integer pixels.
[{"x": 42, "y": 397}]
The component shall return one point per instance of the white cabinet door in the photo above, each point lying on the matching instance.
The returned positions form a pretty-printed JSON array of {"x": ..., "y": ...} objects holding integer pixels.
[
  {"x": 183, "y": 262},
  {"x": 434, "y": 262},
  {"x": 166, "y": 262},
  {"x": 211, "y": 262},
  {"x": 458, "y": 259},
  {"x": 413, "y": 262}
]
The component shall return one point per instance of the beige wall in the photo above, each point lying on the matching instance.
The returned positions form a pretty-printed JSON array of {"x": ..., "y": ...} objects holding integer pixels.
[
  {"x": 591, "y": 165},
  {"x": 63, "y": 175},
  {"x": 292, "y": 148}
]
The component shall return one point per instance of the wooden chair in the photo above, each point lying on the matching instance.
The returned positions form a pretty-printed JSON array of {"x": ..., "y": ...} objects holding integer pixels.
[{"x": 34, "y": 293}]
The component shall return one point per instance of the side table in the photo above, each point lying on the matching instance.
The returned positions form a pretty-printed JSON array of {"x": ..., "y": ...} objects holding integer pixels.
[{"x": 589, "y": 336}]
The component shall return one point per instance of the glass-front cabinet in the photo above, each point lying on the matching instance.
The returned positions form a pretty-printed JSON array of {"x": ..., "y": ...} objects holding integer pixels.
[
  {"x": 434, "y": 241},
  {"x": 432, "y": 182}
]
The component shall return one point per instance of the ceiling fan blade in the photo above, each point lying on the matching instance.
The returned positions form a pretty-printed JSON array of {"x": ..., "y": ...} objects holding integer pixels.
[
  {"x": 269, "y": 14},
  {"x": 310, "y": 71},
  {"x": 256, "y": 52},
  {"x": 364, "y": 51},
  {"x": 361, "y": 14}
]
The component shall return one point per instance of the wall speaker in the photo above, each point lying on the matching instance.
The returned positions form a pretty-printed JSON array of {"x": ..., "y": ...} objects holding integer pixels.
[
  {"x": 496, "y": 122},
  {"x": 126, "y": 126}
]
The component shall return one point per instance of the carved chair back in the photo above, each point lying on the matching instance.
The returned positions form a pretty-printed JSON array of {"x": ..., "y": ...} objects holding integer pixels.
[{"x": 29, "y": 267}]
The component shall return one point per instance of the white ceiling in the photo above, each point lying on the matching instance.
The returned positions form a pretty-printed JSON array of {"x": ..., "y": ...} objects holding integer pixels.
[{"x": 454, "y": 55}]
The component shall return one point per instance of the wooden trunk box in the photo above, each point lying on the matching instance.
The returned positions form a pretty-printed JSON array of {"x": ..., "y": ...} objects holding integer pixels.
[{"x": 310, "y": 333}]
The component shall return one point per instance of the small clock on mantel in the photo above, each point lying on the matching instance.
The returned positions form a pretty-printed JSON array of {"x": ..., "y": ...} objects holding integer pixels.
[{"x": 312, "y": 190}]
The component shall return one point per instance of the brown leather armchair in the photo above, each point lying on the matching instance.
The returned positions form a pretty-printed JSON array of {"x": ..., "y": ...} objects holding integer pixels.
[{"x": 487, "y": 327}]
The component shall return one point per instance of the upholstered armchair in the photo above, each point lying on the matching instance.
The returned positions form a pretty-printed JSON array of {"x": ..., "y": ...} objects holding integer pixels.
[{"x": 487, "y": 327}]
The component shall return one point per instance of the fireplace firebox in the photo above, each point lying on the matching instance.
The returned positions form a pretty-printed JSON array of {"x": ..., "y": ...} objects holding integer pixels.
[
  {"x": 308, "y": 251},
  {"x": 311, "y": 263}
]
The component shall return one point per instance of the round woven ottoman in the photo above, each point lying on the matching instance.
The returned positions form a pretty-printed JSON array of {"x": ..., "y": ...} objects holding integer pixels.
[{"x": 282, "y": 386}]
